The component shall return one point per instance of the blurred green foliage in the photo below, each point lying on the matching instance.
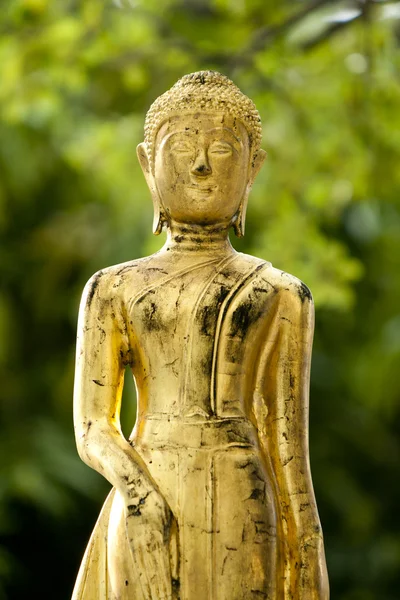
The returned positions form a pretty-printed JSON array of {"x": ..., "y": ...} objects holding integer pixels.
[{"x": 76, "y": 81}]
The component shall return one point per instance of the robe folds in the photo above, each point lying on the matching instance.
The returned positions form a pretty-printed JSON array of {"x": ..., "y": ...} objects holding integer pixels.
[{"x": 220, "y": 352}]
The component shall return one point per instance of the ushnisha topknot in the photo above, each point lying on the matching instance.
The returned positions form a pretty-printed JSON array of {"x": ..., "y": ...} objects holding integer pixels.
[{"x": 207, "y": 91}]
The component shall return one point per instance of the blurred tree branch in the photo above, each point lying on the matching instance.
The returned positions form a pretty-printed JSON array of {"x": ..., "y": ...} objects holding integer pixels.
[{"x": 267, "y": 35}]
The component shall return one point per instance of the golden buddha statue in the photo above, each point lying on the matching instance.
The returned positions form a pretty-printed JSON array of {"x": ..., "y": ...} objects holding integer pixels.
[{"x": 212, "y": 495}]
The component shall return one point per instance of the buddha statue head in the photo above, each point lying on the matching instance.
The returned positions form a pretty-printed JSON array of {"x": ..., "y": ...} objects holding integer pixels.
[{"x": 201, "y": 153}]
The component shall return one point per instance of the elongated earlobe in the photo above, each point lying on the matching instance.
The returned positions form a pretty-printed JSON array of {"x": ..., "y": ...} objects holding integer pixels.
[
  {"x": 239, "y": 223},
  {"x": 159, "y": 215},
  {"x": 159, "y": 219}
]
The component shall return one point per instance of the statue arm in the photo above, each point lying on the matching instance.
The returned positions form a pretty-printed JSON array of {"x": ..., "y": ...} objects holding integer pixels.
[
  {"x": 102, "y": 354},
  {"x": 281, "y": 404},
  {"x": 101, "y": 357}
]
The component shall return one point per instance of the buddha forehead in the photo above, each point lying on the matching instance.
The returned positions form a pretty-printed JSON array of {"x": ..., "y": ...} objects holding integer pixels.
[{"x": 199, "y": 126}]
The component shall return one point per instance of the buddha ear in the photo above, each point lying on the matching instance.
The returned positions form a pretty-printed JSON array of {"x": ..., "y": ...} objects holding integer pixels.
[
  {"x": 144, "y": 162},
  {"x": 255, "y": 165}
]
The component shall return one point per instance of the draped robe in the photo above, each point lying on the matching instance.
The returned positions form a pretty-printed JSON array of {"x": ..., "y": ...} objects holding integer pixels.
[{"x": 220, "y": 352}]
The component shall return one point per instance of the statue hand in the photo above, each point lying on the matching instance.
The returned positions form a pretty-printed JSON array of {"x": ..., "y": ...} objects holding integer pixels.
[{"x": 148, "y": 522}]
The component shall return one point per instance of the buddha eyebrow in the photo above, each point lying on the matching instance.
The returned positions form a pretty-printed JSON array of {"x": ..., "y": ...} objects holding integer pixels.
[
  {"x": 165, "y": 139},
  {"x": 180, "y": 132},
  {"x": 227, "y": 130},
  {"x": 186, "y": 133}
]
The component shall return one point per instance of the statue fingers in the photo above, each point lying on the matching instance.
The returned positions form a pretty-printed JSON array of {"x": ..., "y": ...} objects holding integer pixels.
[
  {"x": 140, "y": 566},
  {"x": 150, "y": 555},
  {"x": 151, "y": 560},
  {"x": 158, "y": 565}
]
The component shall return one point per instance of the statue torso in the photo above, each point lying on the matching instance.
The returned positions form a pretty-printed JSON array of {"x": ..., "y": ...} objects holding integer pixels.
[{"x": 194, "y": 333}]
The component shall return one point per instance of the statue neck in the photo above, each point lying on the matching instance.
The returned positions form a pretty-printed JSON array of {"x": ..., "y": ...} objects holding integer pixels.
[{"x": 204, "y": 239}]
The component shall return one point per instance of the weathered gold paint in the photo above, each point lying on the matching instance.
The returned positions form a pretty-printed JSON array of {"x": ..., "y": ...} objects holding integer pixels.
[{"x": 212, "y": 495}]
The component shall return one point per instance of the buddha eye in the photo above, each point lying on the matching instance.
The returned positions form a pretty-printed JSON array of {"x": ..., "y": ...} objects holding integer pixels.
[
  {"x": 222, "y": 148},
  {"x": 181, "y": 148}
]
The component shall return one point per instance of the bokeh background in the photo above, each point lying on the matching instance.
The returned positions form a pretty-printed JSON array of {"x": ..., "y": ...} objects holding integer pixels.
[{"x": 76, "y": 79}]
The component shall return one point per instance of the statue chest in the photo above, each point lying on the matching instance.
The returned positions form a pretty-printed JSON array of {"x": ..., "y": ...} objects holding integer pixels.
[{"x": 195, "y": 336}]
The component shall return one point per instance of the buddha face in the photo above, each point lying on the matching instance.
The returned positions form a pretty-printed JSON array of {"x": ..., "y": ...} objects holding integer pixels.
[
  {"x": 202, "y": 172},
  {"x": 201, "y": 167}
]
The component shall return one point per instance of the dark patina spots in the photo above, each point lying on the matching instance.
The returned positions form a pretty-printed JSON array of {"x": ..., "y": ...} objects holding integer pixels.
[
  {"x": 97, "y": 382},
  {"x": 134, "y": 509},
  {"x": 93, "y": 286},
  {"x": 206, "y": 365},
  {"x": 126, "y": 357},
  {"x": 243, "y": 317},
  {"x": 152, "y": 317},
  {"x": 208, "y": 320},
  {"x": 257, "y": 494},
  {"x": 144, "y": 297},
  {"x": 303, "y": 292},
  {"x": 209, "y": 314},
  {"x": 292, "y": 381}
]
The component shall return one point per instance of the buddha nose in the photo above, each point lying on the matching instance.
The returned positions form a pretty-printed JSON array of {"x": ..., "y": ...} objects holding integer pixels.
[{"x": 201, "y": 166}]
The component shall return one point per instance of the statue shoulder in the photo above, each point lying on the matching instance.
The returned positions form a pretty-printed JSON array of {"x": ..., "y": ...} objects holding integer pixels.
[
  {"x": 113, "y": 277},
  {"x": 286, "y": 286},
  {"x": 111, "y": 282},
  {"x": 288, "y": 295}
]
